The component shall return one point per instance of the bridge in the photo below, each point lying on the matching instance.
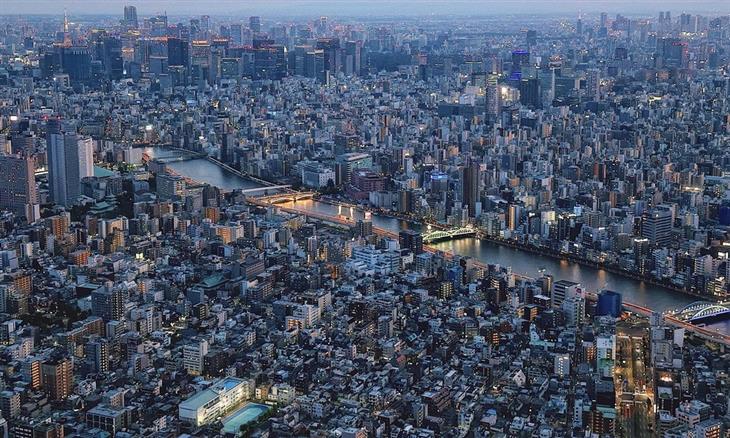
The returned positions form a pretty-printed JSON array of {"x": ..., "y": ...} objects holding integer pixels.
[
  {"x": 245, "y": 175},
  {"x": 700, "y": 310},
  {"x": 669, "y": 319},
  {"x": 264, "y": 190},
  {"x": 454, "y": 233},
  {"x": 289, "y": 196}
]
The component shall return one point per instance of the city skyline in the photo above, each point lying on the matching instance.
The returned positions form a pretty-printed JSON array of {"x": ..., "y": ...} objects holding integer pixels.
[
  {"x": 375, "y": 8},
  {"x": 407, "y": 219}
]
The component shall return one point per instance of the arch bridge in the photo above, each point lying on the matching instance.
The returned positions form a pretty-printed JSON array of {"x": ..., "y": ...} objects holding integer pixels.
[
  {"x": 701, "y": 310},
  {"x": 453, "y": 233}
]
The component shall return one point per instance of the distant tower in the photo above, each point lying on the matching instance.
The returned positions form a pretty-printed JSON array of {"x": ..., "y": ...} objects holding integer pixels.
[
  {"x": 130, "y": 17},
  {"x": 70, "y": 159},
  {"x": 254, "y": 23},
  {"x": 66, "y": 34}
]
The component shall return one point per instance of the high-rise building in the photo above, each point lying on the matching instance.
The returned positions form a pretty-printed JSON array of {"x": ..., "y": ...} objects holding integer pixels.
[
  {"x": 193, "y": 356},
  {"x": 9, "y": 404},
  {"x": 17, "y": 186},
  {"x": 254, "y": 23},
  {"x": 410, "y": 239},
  {"x": 170, "y": 186},
  {"x": 97, "y": 352},
  {"x": 108, "y": 302},
  {"x": 470, "y": 187},
  {"x": 530, "y": 92},
  {"x": 562, "y": 364},
  {"x": 593, "y": 84},
  {"x": 58, "y": 379},
  {"x": 493, "y": 98},
  {"x": 130, "y": 17},
  {"x": 520, "y": 60},
  {"x": 656, "y": 226},
  {"x": 70, "y": 159},
  {"x": 609, "y": 303},
  {"x": 563, "y": 289}
]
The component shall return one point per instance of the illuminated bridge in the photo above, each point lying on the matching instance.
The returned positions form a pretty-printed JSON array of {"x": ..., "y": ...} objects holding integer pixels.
[
  {"x": 701, "y": 310},
  {"x": 454, "y": 233},
  {"x": 289, "y": 196}
]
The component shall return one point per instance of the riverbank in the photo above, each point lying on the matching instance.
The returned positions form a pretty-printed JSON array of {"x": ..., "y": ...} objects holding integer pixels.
[{"x": 572, "y": 258}]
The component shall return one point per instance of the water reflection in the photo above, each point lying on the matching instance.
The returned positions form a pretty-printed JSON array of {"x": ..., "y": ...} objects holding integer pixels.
[{"x": 638, "y": 292}]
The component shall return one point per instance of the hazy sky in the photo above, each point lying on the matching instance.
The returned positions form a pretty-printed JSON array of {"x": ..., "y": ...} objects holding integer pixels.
[{"x": 360, "y": 7}]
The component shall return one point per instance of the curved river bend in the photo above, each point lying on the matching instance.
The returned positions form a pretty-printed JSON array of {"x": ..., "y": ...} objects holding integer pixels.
[{"x": 634, "y": 291}]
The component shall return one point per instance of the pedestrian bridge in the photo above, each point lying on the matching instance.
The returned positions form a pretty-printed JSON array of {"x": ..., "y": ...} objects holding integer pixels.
[
  {"x": 450, "y": 234},
  {"x": 701, "y": 310}
]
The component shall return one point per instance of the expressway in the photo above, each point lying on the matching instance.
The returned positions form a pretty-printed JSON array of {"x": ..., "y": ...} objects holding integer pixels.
[{"x": 702, "y": 332}]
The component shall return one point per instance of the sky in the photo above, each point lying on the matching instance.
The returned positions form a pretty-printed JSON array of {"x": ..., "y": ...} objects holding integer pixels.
[{"x": 270, "y": 8}]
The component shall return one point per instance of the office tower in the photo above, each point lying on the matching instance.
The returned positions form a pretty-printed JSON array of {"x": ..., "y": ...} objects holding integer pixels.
[
  {"x": 17, "y": 186},
  {"x": 530, "y": 92},
  {"x": 673, "y": 52},
  {"x": 108, "y": 302},
  {"x": 563, "y": 289},
  {"x": 194, "y": 355},
  {"x": 76, "y": 62},
  {"x": 332, "y": 56},
  {"x": 70, "y": 159},
  {"x": 656, "y": 226},
  {"x": 170, "y": 186},
  {"x": 470, "y": 187},
  {"x": 351, "y": 64},
  {"x": 228, "y": 143},
  {"x": 520, "y": 60},
  {"x": 236, "y": 33},
  {"x": 130, "y": 17},
  {"x": 177, "y": 52},
  {"x": 22, "y": 143},
  {"x": 531, "y": 38},
  {"x": 593, "y": 84},
  {"x": 58, "y": 379},
  {"x": 254, "y": 23},
  {"x": 412, "y": 240},
  {"x": 493, "y": 98}
]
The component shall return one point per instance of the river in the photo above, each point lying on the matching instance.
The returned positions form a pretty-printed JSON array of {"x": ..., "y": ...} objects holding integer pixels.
[{"x": 654, "y": 297}]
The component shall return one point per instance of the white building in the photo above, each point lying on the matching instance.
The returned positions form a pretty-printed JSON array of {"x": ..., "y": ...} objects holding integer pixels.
[
  {"x": 209, "y": 404},
  {"x": 193, "y": 356}
]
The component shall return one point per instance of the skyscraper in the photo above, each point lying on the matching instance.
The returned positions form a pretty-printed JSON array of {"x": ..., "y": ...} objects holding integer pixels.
[
  {"x": 493, "y": 98},
  {"x": 17, "y": 186},
  {"x": 254, "y": 23},
  {"x": 70, "y": 159},
  {"x": 656, "y": 225},
  {"x": 130, "y": 17},
  {"x": 470, "y": 187}
]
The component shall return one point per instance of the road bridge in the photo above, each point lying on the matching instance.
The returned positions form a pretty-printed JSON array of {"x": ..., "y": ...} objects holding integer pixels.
[{"x": 450, "y": 234}]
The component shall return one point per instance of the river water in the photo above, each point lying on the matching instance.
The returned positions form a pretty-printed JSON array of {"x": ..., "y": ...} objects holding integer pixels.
[{"x": 634, "y": 291}]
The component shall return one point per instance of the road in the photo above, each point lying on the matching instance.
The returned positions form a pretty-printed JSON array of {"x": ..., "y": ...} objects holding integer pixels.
[{"x": 634, "y": 382}]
